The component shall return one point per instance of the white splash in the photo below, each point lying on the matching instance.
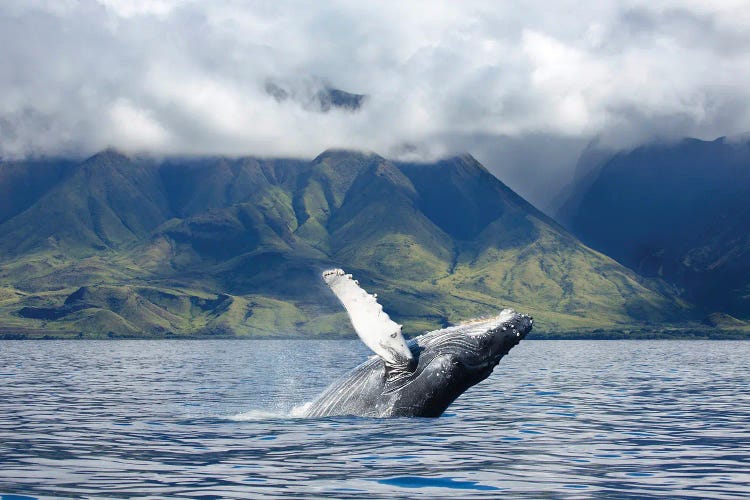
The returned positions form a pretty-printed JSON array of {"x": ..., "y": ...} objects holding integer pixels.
[
  {"x": 257, "y": 415},
  {"x": 298, "y": 411}
]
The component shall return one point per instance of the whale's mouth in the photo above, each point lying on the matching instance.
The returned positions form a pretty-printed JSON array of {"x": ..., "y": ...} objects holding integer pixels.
[{"x": 484, "y": 369}]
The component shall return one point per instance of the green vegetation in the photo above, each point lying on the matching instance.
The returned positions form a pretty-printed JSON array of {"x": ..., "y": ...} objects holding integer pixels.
[{"x": 133, "y": 247}]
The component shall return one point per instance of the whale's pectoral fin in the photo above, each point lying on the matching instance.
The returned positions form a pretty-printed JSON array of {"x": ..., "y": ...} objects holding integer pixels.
[{"x": 371, "y": 323}]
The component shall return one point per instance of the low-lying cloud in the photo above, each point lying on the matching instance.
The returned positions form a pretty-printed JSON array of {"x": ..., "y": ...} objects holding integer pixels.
[{"x": 171, "y": 76}]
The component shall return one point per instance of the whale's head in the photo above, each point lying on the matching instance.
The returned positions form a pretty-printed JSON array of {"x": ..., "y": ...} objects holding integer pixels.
[
  {"x": 451, "y": 360},
  {"x": 475, "y": 348}
]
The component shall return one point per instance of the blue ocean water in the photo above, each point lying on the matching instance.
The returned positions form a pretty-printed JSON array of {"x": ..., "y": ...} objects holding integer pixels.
[{"x": 211, "y": 419}]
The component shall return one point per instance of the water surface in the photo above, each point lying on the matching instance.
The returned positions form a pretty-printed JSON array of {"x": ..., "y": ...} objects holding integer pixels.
[{"x": 187, "y": 419}]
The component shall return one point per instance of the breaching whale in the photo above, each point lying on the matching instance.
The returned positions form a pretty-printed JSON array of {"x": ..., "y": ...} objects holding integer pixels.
[{"x": 419, "y": 378}]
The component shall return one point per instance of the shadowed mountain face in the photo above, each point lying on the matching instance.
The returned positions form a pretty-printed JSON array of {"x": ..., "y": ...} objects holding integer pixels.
[
  {"x": 22, "y": 183},
  {"x": 121, "y": 246},
  {"x": 104, "y": 202},
  {"x": 680, "y": 212}
]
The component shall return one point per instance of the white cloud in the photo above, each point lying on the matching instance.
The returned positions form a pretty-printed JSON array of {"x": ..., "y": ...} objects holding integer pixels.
[
  {"x": 130, "y": 8},
  {"x": 173, "y": 76},
  {"x": 134, "y": 128}
]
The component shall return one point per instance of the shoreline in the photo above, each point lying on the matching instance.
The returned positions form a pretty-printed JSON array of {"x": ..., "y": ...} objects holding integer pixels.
[
  {"x": 621, "y": 335},
  {"x": 687, "y": 334}
]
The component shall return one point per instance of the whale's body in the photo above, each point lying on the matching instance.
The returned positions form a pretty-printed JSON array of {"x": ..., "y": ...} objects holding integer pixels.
[{"x": 420, "y": 378}]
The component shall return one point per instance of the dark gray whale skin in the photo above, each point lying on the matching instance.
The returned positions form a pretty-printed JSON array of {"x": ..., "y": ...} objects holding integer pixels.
[{"x": 448, "y": 362}]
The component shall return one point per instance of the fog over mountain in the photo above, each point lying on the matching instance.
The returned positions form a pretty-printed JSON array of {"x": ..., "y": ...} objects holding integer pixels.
[{"x": 522, "y": 86}]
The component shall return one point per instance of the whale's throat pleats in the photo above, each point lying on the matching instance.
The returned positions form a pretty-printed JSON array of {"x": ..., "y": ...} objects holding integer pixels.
[
  {"x": 397, "y": 377},
  {"x": 373, "y": 325}
]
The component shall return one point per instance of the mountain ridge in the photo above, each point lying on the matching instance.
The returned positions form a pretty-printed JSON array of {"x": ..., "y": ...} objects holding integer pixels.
[{"x": 440, "y": 243}]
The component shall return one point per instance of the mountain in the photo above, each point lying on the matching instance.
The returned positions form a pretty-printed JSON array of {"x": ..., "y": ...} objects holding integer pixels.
[
  {"x": 315, "y": 95},
  {"x": 21, "y": 185},
  {"x": 680, "y": 212},
  {"x": 124, "y": 246},
  {"x": 104, "y": 202}
]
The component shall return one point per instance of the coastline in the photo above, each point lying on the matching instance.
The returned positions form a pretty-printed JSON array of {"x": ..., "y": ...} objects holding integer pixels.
[
  {"x": 644, "y": 335},
  {"x": 599, "y": 334}
]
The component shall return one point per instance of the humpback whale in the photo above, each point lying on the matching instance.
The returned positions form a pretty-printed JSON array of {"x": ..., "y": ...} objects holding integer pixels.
[{"x": 418, "y": 378}]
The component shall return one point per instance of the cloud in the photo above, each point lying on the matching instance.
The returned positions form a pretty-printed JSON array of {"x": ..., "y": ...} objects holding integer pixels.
[{"x": 190, "y": 76}]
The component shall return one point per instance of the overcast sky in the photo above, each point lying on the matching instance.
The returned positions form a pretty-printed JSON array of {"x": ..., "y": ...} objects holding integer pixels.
[{"x": 524, "y": 86}]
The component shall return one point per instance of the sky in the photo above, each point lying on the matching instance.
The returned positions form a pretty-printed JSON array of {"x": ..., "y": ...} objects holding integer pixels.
[{"x": 523, "y": 86}]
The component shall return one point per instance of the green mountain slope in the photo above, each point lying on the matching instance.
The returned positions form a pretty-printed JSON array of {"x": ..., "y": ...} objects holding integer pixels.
[
  {"x": 103, "y": 203},
  {"x": 131, "y": 246}
]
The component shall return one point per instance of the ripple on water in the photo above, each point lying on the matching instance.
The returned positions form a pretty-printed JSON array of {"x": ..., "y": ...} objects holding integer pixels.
[{"x": 184, "y": 419}]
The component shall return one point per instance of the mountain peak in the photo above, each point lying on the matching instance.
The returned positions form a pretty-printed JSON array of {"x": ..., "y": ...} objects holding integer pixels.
[
  {"x": 109, "y": 155},
  {"x": 342, "y": 153},
  {"x": 315, "y": 95},
  {"x": 464, "y": 157},
  {"x": 467, "y": 164}
]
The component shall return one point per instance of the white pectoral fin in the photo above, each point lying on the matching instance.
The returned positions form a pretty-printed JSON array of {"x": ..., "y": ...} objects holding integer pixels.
[{"x": 371, "y": 323}]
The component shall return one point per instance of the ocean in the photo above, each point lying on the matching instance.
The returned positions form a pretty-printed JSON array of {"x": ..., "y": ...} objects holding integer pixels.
[{"x": 215, "y": 419}]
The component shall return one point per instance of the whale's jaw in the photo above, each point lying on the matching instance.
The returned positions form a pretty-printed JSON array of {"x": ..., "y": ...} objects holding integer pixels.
[{"x": 484, "y": 343}]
